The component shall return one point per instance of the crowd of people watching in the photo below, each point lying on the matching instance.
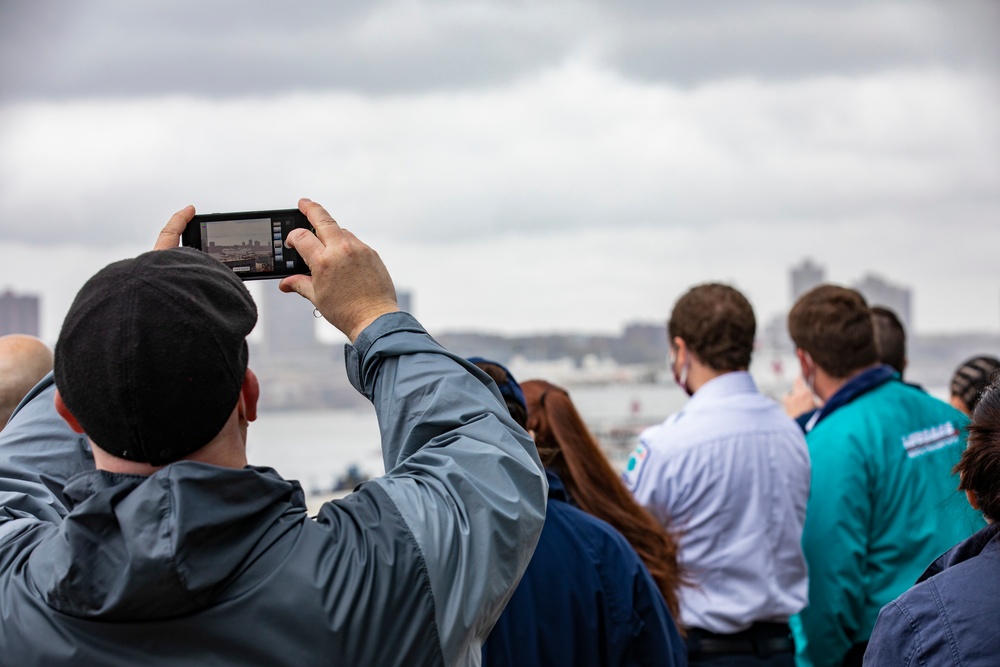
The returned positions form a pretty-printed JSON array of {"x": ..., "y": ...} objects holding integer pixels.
[{"x": 852, "y": 525}]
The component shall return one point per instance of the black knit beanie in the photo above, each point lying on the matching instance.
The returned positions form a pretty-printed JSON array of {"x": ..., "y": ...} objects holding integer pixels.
[{"x": 152, "y": 354}]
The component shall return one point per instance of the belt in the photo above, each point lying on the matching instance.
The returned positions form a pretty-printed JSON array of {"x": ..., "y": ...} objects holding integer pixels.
[
  {"x": 761, "y": 639},
  {"x": 710, "y": 645}
]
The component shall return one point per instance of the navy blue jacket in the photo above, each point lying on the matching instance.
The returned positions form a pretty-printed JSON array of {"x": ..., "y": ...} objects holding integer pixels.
[
  {"x": 950, "y": 616},
  {"x": 586, "y": 600}
]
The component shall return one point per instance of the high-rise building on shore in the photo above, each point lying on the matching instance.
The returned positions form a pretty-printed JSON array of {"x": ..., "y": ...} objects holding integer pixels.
[
  {"x": 405, "y": 301},
  {"x": 804, "y": 277},
  {"x": 880, "y": 292},
  {"x": 19, "y": 314},
  {"x": 288, "y": 323}
]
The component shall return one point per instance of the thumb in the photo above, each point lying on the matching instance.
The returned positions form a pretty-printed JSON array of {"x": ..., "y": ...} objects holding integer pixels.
[
  {"x": 300, "y": 284},
  {"x": 305, "y": 243}
]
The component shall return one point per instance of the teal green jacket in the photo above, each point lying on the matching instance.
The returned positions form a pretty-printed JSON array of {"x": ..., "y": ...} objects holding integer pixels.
[{"x": 884, "y": 504}]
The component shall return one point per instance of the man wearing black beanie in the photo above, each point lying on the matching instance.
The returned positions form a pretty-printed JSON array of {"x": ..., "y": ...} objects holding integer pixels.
[{"x": 175, "y": 551}]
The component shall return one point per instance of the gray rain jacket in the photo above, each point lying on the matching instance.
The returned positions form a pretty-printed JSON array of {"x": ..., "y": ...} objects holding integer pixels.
[{"x": 204, "y": 565}]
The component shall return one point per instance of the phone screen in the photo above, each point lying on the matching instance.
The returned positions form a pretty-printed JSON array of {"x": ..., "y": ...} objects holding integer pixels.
[{"x": 252, "y": 244}]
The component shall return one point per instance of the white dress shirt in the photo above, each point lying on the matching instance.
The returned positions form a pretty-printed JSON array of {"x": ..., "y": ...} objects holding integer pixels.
[{"x": 731, "y": 471}]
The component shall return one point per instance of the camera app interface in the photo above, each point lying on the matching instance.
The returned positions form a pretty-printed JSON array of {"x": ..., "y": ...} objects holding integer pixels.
[{"x": 251, "y": 246}]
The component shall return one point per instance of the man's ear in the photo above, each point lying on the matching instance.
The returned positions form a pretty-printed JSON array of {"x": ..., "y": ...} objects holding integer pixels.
[
  {"x": 804, "y": 361},
  {"x": 680, "y": 350},
  {"x": 66, "y": 414},
  {"x": 249, "y": 394}
]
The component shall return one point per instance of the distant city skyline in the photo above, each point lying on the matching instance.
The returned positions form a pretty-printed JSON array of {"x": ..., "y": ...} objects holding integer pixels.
[
  {"x": 240, "y": 232},
  {"x": 523, "y": 167},
  {"x": 19, "y": 313},
  {"x": 877, "y": 290}
]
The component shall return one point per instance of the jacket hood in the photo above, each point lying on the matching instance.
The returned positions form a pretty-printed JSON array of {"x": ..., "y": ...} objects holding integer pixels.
[{"x": 139, "y": 548}]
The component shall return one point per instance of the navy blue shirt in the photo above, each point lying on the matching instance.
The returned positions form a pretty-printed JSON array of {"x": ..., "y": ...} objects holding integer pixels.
[{"x": 586, "y": 599}]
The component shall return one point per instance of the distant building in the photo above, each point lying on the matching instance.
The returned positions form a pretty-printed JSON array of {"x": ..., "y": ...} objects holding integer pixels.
[
  {"x": 405, "y": 301},
  {"x": 773, "y": 334},
  {"x": 19, "y": 314},
  {"x": 804, "y": 277},
  {"x": 641, "y": 343},
  {"x": 289, "y": 325},
  {"x": 879, "y": 292}
]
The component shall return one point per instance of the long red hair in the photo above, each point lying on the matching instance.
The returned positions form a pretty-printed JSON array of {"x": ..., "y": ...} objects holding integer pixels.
[{"x": 568, "y": 448}]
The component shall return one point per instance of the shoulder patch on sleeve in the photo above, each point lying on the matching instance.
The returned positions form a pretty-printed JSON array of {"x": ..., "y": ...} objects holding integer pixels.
[{"x": 634, "y": 465}]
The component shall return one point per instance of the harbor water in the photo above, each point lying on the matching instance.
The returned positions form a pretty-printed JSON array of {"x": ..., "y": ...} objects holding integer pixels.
[{"x": 317, "y": 448}]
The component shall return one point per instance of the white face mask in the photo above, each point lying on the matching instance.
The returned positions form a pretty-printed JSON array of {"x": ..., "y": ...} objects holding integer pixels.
[
  {"x": 809, "y": 377},
  {"x": 681, "y": 376}
]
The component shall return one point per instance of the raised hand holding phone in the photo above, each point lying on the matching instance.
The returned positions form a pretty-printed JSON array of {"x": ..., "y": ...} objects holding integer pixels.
[{"x": 349, "y": 285}]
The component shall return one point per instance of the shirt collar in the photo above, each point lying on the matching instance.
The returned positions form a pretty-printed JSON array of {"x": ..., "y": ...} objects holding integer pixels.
[{"x": 727, "y": 384}]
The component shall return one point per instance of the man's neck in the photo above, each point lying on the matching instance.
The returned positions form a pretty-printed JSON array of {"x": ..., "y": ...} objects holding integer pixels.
[
  {"x": 700, "y": 375},
  {"x": 228, "y": 449}
]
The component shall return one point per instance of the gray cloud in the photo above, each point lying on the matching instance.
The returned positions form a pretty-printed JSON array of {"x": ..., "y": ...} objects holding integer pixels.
[
  {"x": 571, "y": 150},
  {"x": 100, "y": 48},
  {"x": 789, "y": 40},
  {"x": 117, "y": 48},
  {"x": 609, "y": 143}
]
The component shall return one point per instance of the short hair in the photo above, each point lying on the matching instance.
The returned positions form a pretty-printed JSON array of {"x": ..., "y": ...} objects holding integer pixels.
[
  {"x": 890, "y": 338},
  {"x": 834, "y": 325},
  {"x": 972, "y": 377},
  {"x": 718, "y": 325},
  {"x": 979, "y": 467}
]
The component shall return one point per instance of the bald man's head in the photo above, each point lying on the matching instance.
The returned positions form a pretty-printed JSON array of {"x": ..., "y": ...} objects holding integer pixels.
[{"x": 24, "y": 360}]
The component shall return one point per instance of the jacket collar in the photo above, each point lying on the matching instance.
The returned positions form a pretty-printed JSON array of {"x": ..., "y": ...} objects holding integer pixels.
[
  {"x": 557, "y": 490},
  {"x": 964, "y": 550},
  {"x": 852, "y": 389}
]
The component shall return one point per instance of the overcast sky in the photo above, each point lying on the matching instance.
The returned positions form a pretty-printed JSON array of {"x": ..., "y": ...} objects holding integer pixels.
[{"x": 521, "y": 166}]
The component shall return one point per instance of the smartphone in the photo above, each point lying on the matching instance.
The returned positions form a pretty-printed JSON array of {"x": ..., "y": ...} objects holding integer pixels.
[{"x": 251, "y": 243}]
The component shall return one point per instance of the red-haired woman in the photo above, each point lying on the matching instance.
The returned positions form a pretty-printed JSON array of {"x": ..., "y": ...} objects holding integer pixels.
[
  {"x": 586, "y": 599},
  {"x": 567, "y": 447}
]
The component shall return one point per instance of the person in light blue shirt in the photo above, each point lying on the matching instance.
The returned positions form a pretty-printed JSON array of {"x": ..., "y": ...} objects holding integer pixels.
[{"x": 731, "y": 471}]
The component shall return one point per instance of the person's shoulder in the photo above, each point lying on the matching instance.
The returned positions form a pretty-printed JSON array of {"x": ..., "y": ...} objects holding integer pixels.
[
  {"x": 932, "y": 405},
  {"x": 920, "y": 419},
  {"x": 955, "y": 597},
  {"x": 898, "y": 396},
  {"x": 675, "y": 433},
  {"x": 771, "y": 416},
  {"x": 600, "y": 536}
]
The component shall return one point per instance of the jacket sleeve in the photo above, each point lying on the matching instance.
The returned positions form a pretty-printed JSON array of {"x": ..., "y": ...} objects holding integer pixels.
[
  {"x": 837, "y": 519},
  {"x": 464, "y": 477},
  {"x": 658, "y": 642},
  {"x": 38, "y": 454}
]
